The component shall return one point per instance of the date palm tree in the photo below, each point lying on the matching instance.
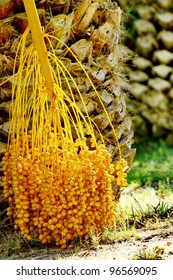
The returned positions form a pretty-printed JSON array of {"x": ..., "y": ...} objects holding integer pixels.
[{"x": 91, "y": 30}]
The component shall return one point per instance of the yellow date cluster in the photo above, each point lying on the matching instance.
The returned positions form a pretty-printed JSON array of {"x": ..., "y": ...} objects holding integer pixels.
[{"x": 56, "y": 196}]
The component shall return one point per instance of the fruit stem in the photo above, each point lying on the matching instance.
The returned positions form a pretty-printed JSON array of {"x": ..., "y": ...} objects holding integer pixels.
[{"x": 38, "y": 38}]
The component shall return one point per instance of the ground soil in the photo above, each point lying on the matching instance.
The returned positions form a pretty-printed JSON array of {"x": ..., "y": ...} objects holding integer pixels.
[
  {"x": 161, "y": 239},
  {"x": 157, "y": 242}
]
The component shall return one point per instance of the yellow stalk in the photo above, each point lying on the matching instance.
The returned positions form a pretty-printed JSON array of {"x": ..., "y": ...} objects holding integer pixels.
[
  {"x": 38, "y": 38},
  {"x": 90, "y": 121}
]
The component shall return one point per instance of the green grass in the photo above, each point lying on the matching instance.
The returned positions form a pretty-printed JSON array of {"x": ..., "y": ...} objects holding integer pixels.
[
  {"x": 152, "y": 165},
  {"x": 155, "y": 253},
  {"x": 140, "y": 216},
  {"x": 150, "y": 183}
]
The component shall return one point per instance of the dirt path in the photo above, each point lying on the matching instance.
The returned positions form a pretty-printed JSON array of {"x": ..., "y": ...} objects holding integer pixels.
[
  {"x": 159, "y": 241},
  {"x": 153, "y": 244}
]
